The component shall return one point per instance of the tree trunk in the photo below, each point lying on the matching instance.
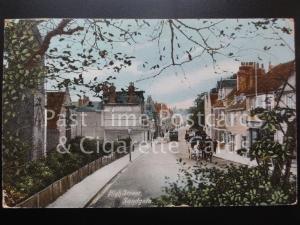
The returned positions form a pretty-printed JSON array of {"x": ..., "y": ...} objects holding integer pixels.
[
  {"x": 287, "y": 172},
  {"x": 276, "y": 175}
]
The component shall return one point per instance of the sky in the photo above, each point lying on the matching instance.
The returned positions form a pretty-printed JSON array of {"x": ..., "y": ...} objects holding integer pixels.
[{"x": 179, "y": 86}]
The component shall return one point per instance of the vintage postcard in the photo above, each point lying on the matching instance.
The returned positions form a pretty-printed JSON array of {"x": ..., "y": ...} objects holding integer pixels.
[{"x": 130, "y": 113}]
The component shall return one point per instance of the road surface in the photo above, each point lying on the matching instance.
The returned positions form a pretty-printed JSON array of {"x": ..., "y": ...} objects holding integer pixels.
[{"x": 146, "y": 176}]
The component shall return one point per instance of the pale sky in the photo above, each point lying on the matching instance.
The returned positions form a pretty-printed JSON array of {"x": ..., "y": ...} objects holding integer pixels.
[{"x": 179, "y": 86}]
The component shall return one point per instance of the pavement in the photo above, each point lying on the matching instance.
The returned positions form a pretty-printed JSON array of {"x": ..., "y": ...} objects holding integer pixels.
[
  {"x": 80, "y": 194},
  {"x": 234, "y": 157}
]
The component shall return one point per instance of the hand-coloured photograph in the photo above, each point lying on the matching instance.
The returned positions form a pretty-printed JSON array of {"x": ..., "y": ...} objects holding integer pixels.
[{"x": 135, "y": 113}]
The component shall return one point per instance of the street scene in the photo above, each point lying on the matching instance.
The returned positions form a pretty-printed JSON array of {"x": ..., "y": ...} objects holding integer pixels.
[
  {"x": 133, "y": 113},
  {"x": 135, "y": 186}
]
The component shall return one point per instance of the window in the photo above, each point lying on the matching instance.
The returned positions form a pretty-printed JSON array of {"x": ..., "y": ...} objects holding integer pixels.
[
  {"x": 222, "y": 137},
  {"x": 244, "y": 142},
  {"x": 290, "y": 101},
  {"x": 259, "y": 102},
  {"x": 244, "y": 119},
  {"x": 254, "y": 135},
  {"x": 229, "y": 119},
  {"x": 235, "y": 118},
  {"x": 268, "y": 102}
]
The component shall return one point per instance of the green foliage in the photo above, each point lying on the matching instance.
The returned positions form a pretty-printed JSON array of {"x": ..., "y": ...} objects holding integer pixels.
[
  {"x": 233, "y": 186},
  {"x": 268, "y": 152},
  {"x": 264, "y": 184},
  {"x": 19, "y": 82},
  {"x": 38, "y": 174},
  {"x": 197, "y": 112}
]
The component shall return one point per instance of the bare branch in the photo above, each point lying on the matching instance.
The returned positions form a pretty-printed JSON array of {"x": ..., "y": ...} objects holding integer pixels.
[
  {"x": 59, "y": 30},
  {"x": 172, "y": 41},
  {"x": 167, "y": 66}
]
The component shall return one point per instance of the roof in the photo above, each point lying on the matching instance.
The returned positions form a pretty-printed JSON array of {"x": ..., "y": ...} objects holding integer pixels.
[
  {"x": 231, "y": 96},
  {"x": 213, "y": 90},
  {"x": 218, "y": 104},
  {"x": 231, "y": 93},
  {"x": 241, "y": 105},
  {"x": 122, "y": 97},
  {"x": 272, "y": 80},
  {"x": 226, "y": 83},
  {"x": 161, "y": 106},
  {"x": 55, "y": 101},
  {"x": 213, "y": 98},
  {"x": 91, "y": 107}
]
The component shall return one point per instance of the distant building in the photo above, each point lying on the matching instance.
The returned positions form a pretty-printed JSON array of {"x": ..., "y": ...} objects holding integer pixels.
[
  {"x": 218, "y": 131},
  {"x": 164, "y": 117},
  {"x": 89, "y": 119},
  {"x": 122, "y": 110},
  {"x": 150, "y": 111},
  {"x": 112, "y": 118},
  {"x": 57, "y": 103},
  {"x": 209, "y": 100}
]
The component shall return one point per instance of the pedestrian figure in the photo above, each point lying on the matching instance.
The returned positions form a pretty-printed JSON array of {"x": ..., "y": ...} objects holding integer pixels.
[
  {"x": 186, "y": 137},
  {"x": 215, "y": 144}
]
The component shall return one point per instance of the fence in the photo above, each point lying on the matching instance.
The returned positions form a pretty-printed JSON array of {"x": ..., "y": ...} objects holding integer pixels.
[{"x": 59, "y": 187}]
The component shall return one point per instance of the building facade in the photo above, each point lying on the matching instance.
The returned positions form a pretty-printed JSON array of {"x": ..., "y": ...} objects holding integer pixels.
[
  {"x": 57, "y": 104},
  {"x": 233, "y": 126},
  {"x": 119, "y": 115}
]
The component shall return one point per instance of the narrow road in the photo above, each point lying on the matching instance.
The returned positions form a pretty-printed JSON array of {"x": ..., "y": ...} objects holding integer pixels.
[{"x": 146, "y": 176}]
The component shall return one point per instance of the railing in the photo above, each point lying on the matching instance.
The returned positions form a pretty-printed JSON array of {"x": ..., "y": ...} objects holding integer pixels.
[{"x": 59, "y": 187}]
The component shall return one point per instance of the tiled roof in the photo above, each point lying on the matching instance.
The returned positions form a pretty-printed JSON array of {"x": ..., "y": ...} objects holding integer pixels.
[
  {"x": 122, "y": 97},
  {"x": 213, "y": 98},
  {"x": 272, "y": 80},
  {"x": 218, "y": 104},
  {"x": 231, "y": 95},
  {"x": 91, "y": 107},
  {"x": 226, "y": 83},
  {"x": 55, "y": 102},
  {"x": 241, "y": 105}
]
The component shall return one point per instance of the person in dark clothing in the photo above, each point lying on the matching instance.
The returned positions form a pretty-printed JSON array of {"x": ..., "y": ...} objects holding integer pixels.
[
  {"x": 186, "y": 137},
  {"x": 215, "y": 144},
  {"x": 208, "y": 151}
]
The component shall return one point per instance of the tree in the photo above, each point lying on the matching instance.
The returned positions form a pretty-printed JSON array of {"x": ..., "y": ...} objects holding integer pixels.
[
  {"x": 268, "y": 152},
  {"x": 197, "y": 112},
  {"x": 29, "y": 59},
  {"x": 230, "y": 186},
  {"x": 181, "y": 41}
]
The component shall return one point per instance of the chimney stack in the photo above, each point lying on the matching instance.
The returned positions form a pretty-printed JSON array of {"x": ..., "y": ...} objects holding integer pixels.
[
  {"x": 83, "y": 101},
  {"x": 270, "y": 65},
  {"x": 112, "y": 94},
  {"x": 246, "y": 75},
  {"x": 131, "y": 93}
]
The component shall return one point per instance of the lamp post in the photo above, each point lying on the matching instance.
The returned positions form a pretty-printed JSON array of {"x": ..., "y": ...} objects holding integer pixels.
[{"x": 129, "y": 132}]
